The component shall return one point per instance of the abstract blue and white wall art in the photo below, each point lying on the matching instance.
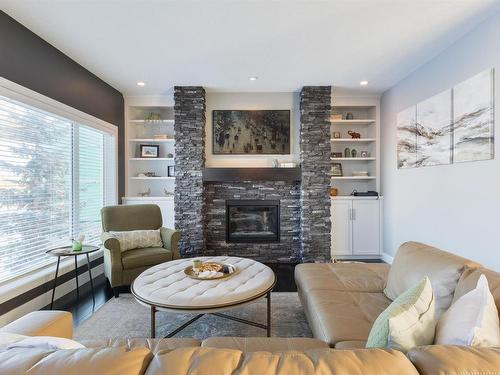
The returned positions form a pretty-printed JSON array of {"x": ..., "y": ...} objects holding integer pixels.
[
  {"x": 473, "y": 118},
  {"x": 456, "y": 125}
]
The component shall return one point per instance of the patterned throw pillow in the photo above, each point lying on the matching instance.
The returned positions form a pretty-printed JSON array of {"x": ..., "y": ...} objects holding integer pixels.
[
  {"x": 138, "y": 239},
  {"x": 409, "y": 320}
]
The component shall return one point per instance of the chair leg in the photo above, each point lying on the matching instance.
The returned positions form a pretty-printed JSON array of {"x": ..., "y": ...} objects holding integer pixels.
[{"x": 116, "y": 292}]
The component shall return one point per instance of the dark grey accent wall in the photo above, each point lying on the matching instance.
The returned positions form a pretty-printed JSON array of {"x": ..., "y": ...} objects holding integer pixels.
[
  {"x": 288, "y": 193},
  {"x": 315, "y": 110},
  {"x": 189, "y": 162},
  {"x": 28, "y": 60}
]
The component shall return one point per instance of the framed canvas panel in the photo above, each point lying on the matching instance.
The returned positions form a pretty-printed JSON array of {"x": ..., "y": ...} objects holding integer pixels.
[
  {"x": 434, "y": 127},
  {"x": 407, "y": 137},
  {"x": 243, "y": 132},
  {"x": 474, "y": 121}
]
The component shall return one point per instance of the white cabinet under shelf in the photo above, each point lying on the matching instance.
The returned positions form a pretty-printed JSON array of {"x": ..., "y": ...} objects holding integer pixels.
[{"x": 356, "y": 227}]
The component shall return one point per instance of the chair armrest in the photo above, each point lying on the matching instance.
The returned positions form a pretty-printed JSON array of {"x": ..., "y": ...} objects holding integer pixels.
[
  {"x": 112, "y": 259},
  {"x": 42, "y": 323},
  {"x": 111, "y": 243},
  {"x": 170, "y": 238}
]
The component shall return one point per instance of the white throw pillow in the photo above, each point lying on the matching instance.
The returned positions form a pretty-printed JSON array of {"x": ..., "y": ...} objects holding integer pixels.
[
  {"x": 138, "y": 239},
  {"x": 472, "y": 320},
  {"x": 46, "y": 342}
]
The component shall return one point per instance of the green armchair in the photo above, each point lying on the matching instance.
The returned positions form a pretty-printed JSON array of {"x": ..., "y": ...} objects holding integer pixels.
[{"x": 121, "y": 268}]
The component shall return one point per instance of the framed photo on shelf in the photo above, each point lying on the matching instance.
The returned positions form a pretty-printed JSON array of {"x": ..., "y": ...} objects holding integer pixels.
[
  {"x": 364, "y": 154},
  {"x": 171, "y": 171},
  {"x": 150, "y": 151},
  {"x": 336, "y": 170},
  {"x": 336, "y": 135}
]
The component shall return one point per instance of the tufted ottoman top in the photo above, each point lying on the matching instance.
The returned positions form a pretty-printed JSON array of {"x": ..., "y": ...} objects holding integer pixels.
[{"x": 166, "y": 285}]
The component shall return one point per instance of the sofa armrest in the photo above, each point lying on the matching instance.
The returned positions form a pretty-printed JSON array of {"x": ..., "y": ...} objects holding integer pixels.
[
  {"x": 112, "y": 259},
  {"x": 42, "y": 323},
  {"x": 447, "y": 360},
  {"x": 170, "y": 238}
]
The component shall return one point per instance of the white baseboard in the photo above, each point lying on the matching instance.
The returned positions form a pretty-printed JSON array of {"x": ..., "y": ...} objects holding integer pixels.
[{"x": 387, "y": 258}]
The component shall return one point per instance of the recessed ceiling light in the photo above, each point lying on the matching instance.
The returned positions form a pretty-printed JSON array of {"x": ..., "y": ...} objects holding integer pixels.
[
  {"x": 254, "y": 78},
  {"x": 363, "y": 83},
  {"x": 140, "y": 83}
]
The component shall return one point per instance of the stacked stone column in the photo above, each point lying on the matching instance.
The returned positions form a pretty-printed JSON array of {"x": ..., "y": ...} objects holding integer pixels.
[
  {"x": 315, "y": 148},
  {"x": 189, "y": 161}
]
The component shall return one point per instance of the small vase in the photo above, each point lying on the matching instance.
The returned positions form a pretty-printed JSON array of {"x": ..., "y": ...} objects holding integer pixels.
[
  {"x": 77, "y": 246},
  {"x": 347, "y": 152},
  {"x": 354, "y": 153}
]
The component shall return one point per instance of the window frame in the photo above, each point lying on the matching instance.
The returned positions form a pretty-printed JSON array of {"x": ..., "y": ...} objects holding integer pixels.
[{"x": 32, "y": 98}]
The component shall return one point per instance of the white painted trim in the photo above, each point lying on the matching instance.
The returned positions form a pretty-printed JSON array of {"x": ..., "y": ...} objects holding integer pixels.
[
  {"x": 17, "y": 92},
  {"x": 387, "y": 258}
]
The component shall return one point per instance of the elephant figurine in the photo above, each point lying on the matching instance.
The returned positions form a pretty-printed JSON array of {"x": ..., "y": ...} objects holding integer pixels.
[{"x": 354, "y": 135}]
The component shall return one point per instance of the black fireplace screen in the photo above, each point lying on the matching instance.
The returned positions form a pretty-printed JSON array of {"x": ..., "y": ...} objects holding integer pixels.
[{"x": 252, "y": 221}]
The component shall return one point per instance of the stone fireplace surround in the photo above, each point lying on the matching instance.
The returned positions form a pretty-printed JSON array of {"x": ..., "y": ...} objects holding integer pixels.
[{"x": 305, "y": 205}]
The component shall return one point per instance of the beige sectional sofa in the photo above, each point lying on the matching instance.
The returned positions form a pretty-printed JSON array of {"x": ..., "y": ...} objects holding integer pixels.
[{"x": 341, "y": 302}]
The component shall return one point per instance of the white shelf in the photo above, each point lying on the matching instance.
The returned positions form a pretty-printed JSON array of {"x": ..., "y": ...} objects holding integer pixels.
[
  {"x": 151, "y": 121},
  {"x": 150, "y": 140},
  {"x": 150, "y": 159},
  {"x": 353, "y": 122},
  {"x": 353, "y": 159},
  {"x": 354, "y": 178},
  {"x": 152, "y": 178},
  {"x": 359, "y": 140}
]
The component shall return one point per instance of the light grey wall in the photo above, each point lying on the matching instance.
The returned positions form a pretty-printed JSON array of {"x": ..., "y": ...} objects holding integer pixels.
[{"x": 454, "y": 207}]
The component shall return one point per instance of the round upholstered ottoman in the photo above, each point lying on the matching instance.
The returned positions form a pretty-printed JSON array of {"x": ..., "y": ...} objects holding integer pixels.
[{"x": 166, "y": 287}]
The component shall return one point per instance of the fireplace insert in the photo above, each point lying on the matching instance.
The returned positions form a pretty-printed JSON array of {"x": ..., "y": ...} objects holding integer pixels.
[{"x": 252, "y": 221}]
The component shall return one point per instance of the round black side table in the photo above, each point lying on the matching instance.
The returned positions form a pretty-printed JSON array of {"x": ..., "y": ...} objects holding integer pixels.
[{"x": 67, "y": 251}]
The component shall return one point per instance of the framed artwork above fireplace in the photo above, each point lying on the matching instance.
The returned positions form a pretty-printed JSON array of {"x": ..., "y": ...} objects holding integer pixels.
[{"x": 240, "y": 132}]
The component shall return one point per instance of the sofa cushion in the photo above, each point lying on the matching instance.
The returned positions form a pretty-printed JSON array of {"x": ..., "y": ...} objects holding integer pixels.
[
  {"x": 200, "y": 361},
  {"x": 109, "y": 361},
  {"x": 138, "y": 239},
  {"x": 342, "y": 316},
  {"x": 455, "y": 360},
  {"x": 268, "y": 344},
  {"x": 468, "y": 282},
  {"x": 42, "y": 323},
  {"x": 415, "y": 260},
  {"x": 359, "y": 277},
  {"x": 145, "y": 257},
  {"x": 154, "y": 345}
]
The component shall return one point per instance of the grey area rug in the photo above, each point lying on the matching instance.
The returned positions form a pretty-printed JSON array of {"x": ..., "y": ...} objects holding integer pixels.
[{"x": 124, "y": 317}]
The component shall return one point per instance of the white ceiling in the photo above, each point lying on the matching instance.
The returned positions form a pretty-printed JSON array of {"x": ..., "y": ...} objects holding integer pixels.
[{"x": 220, "y": 43}]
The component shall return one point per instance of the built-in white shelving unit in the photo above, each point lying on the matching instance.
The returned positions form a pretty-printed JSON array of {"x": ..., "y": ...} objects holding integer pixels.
[
  {"x": 360, "y": 115},
  {"x": 356, "y": 221},
  {"x": 139, "y": 131}
]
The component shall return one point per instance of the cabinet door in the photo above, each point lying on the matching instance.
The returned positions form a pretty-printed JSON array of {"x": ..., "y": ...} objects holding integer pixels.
[
  {"x": 366, "y": 227},
  {"x": 341, "y": 227}
]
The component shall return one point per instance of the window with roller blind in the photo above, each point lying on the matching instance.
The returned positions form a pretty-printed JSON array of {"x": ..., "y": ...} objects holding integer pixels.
[{"x": 55, "y": 176}]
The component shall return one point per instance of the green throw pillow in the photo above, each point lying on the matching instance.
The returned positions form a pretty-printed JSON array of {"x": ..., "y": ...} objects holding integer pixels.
[{"x": 407, "y": 322}]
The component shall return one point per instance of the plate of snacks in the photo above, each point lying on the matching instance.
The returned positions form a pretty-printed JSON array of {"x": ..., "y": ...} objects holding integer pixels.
[{"x": 209, "y": 270}]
